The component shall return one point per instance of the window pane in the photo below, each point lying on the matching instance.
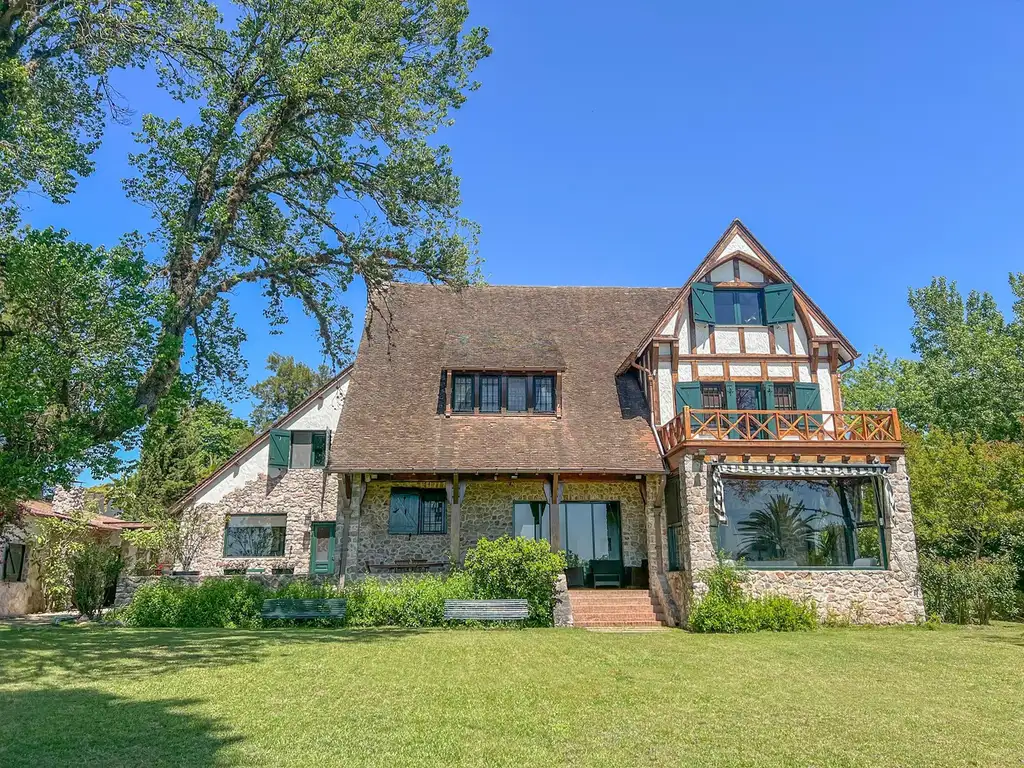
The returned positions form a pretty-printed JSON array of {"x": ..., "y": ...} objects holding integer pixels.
[
  {"x": 543, "y": 394},
  {"x": 517, "y": 393},
  {"x": 748, "y": 398},
  {"x": 432, "y": 516},
  {"x": 712, "y": 396},
  {"x": 785, "y": 399},
  {"x": 749, "y": 303},
  {"x": 490, "y": 394},
  {"x": 319, "y": 449},
  {"x": 254, "y": 536},
  {"x": 788, "y": 522},
  {"x": 302, "y": 450},
  {"x": 725, "y": 313},
  {"x": 462, "y": 394},
  {"x": 14, "y": 563},
  {"x": 530, "y": 520},
  {"x": 321, "y": 543},
  {"x": 579, "y": 532}
]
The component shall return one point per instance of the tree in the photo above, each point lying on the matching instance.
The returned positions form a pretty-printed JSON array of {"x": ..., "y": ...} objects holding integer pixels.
[
  {"x": 288, "y": 385},
  {"x": 76, "y": 332},
  {"x": 56, "y": 57},
  {"x": 779, "y": 529},
  {"x": 308, "y": 104},
  {"x": 967, "y": 379},
  {"x": 184, "y": 442},
  {"x": 963, "y": 507}
]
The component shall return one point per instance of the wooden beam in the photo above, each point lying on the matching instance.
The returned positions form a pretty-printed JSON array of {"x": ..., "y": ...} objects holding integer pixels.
[{"x": 555, "y": 521}]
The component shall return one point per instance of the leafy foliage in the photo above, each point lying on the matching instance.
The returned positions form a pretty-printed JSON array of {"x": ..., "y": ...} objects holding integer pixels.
[
  {"x": 779, "y": 528},
  {"x": 726, "y": 608},
  {"x": 289, "y": 383},
  {"x": 94, "y": 569},
  {"x": 75, "y": 334},
  {"x": 509, "y": 568},
  {"x": 412, "y": 601},
  {"x": 969, "y": 591},
  {"x": 59, "y": 542}
]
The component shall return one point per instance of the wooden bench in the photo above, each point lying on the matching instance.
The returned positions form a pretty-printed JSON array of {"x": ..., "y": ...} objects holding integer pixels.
[
  {"x": 315, "y": 608},
  {"x": 486, "y": 610}
]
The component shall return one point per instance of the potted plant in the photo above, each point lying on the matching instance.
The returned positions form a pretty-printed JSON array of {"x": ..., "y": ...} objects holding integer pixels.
[{"x": 573, "y": 569}]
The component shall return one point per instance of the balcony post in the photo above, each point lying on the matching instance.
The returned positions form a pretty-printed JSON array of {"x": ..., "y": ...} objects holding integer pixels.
[
  {"x": 687, "y": 431},
  {"x": 897, "y": 432}
]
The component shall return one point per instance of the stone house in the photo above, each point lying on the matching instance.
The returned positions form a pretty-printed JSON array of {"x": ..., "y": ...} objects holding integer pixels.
[{"x": 642, "y": 430}]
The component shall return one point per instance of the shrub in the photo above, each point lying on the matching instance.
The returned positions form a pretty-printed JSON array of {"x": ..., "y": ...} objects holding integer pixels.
[
  {"x": 92, "y": 568},
  {"x": 517, "y": 568},
  {"x": 727, "y": 608},
  {"x": 412, "y": 601},
  {"x": 968, "y": 592},
  {"x": 228, "y": 603}
]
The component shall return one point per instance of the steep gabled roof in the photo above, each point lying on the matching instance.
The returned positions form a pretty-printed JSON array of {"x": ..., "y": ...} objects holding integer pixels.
[
  {"x": 726, "y": 248},
  {"x": 261, "y": 438},
  {"x": 393, "y": 418}
]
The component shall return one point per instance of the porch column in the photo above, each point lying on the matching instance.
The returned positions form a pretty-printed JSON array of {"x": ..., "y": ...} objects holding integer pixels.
[
  {"x": 555, "y": 522},
  {"x": 351, "y": 488},
  {"x": 456, "y": 492}
]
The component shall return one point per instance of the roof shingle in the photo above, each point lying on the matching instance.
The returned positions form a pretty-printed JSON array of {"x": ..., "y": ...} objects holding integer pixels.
[{"x": 392, "y": 420}]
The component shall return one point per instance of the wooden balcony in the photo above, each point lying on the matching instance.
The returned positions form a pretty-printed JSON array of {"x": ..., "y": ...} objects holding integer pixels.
[{"x": 863, "y": 428}]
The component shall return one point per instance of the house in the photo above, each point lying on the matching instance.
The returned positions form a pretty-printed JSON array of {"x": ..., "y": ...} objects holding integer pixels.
[
  {"x": 642, "y": 430},
  {"x": 21, "y": 589}
]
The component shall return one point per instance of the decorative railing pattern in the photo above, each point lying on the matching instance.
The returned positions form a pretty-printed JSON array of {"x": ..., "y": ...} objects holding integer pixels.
[{"x": 864, "y": 426}]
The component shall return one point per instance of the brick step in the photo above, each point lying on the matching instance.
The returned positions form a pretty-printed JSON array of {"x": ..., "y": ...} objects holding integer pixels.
[
  {"x": 590, "y": 624},
  {"x": 586, "y": 609},
  {"x": 641, "y": 597},
  {"x": 603, "y": 618}
]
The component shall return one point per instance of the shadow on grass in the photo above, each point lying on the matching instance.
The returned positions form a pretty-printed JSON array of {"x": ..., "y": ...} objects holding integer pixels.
[
  {"x": 86, "y": 727},
  {"x": 29, "y": 653}
]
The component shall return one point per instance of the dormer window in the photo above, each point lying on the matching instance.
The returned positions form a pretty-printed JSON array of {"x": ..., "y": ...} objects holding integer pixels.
[
  {"x": 738, "y": 307},
  {"x": 494, "y": 393}
]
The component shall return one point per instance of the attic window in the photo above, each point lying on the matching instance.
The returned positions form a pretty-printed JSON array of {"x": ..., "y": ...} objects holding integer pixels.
[{"x": 499, "y": 393}]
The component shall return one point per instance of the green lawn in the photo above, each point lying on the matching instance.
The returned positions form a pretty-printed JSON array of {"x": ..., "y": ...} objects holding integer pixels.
[{"x": 854, "y": 697}]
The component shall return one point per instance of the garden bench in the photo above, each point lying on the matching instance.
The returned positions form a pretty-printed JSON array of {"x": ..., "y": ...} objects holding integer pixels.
[
  {"x": 486, "y": 610},
  {"x": 315, "y": 608}
]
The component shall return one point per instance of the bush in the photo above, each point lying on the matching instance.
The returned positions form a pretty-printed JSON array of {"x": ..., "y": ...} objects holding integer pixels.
[
  {"x": 517, "y": 568},
  {"x": 969, "y": 592},
  {"x": 92, "y": 568},
  {"x": 227, "y": 603},
  {"x": 412, "y": 601},
  {"x": 727, "y": 608}
]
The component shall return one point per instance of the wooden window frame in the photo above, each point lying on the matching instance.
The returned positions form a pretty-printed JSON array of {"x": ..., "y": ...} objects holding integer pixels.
[
  {"x": 536, "y": 380},
  {"x": 482, "y": 377},
  {"x": 531, "y": 381},
  {"x": 472, "y": 392},
  {"x": 284, "y": 539},
  {"x": 22, "y": 574},
  {"x": 421, "y": 493},
  {"x": 737, "y": 317}
]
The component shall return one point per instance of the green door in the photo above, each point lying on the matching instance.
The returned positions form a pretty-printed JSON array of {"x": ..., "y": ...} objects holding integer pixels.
[{"x": 321, "y": 548}]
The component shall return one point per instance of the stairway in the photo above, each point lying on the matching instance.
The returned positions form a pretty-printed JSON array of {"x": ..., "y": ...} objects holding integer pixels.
[{"x": 605, "y": 608}]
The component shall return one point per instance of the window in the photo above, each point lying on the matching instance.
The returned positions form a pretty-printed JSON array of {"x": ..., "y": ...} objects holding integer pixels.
[
  {"x": 417, "y": 511},
  {"x": 490, "y": 394},
  {"x": 254, "y": 536},
  {"x": 712, "y": 397},
  {"x": 738, "y": 307},
  {"x": 531, "y": 520},
  {"x": 298, "y": 449},
  {"x": 15, "y": 562},
  {"x": 544, "y": 394},
  {"x": 785, "y": 397},
  {"x": 517, "y": 394},
  {"x": 462, "y": 394},
  {"x": 796, "y": 523}
]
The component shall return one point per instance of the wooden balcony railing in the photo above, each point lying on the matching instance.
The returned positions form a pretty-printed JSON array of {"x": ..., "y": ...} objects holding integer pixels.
[{"x": 863, "y": 426}]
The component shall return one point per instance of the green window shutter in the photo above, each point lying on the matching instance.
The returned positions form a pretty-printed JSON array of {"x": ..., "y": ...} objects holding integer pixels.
[
  {"x": 319, "y": 449},
  {"x": 687, "y": 393},
  {"x": 768, "y": 387},
  {"x": 730, "y": 395},
  {"x": 702, "y": 299},
  {"x": 280, "y": 447},
  {"x": 808, "y": 397},
  {"x": 778, "y": 303},
  {"x": 405, "y": 513}
]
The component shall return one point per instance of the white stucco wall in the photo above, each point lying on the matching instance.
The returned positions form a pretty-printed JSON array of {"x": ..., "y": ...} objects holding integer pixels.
[{"x": 322, "y": 413}]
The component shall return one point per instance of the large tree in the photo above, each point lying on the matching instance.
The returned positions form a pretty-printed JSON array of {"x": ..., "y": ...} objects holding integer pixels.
[
  {"x": 76, "y": 330},
  {"x": 288, "y": 384},
  {"x": 310, "y": 165},
  {"x": 56, "y": 57},
  {"x": 967, "y": 378}
]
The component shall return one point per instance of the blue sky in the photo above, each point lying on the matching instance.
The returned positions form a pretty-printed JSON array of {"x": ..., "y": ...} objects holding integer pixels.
[{"x": 868, "y": 148}]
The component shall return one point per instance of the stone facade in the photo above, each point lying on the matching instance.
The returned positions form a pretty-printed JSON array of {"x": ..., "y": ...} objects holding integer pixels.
[
  {"x": 890, "y": 596},
  {"x": 305, "y": 496}
]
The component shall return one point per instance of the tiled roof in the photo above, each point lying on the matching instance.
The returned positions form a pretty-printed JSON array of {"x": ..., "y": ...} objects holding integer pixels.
[
  {"x": 38, "y": 508},
  {"x": 393, "y": 417}
]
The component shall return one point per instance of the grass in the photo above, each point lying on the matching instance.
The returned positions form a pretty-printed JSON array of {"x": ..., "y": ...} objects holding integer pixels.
[{"x": 836, "y": 697}]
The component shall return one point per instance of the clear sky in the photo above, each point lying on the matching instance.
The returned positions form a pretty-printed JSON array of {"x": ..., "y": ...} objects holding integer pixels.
[{"x": 868, "y": 148}]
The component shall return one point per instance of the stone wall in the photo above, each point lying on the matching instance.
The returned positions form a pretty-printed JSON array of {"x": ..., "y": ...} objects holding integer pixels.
[
  {"x": 891, "y": 596},
  {"x": 305, "y": 496},
  {"x": 20, "y": 597}
]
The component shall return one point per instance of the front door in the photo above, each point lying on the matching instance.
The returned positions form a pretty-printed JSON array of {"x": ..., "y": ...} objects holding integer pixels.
[{"x": 321, "y": 555}]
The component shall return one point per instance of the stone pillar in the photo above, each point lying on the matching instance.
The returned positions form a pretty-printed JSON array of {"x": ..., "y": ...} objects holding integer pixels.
[
  {"x": 654, "y": 517},
  {"x": 456, "y": 492},
  {"x": 348, "y": 566},
  {"x": 555, "y": 521},
  {"x": 901, "y": 542}
]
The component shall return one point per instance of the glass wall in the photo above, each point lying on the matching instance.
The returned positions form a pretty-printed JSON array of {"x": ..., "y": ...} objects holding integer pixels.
[
  {"x": 796, "y": 522},
  {"x": 254, "y": 536},
  {"x": 531, "y": 520},
  {"x": 591, "y": 530}
]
